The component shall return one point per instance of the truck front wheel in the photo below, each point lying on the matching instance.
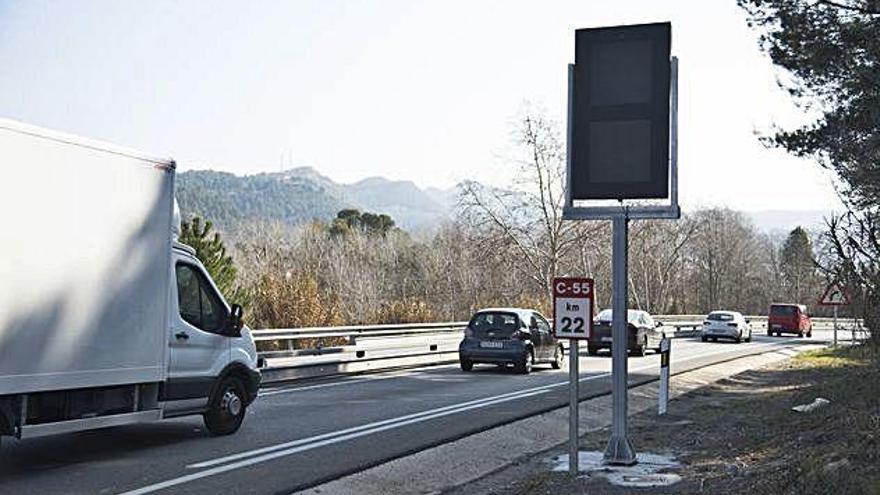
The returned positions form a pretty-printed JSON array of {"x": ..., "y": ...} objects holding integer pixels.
[{"x": 227, "y": 407}]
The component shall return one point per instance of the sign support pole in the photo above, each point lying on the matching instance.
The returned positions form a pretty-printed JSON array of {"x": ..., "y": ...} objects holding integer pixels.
[
  {"x": 853, "y": 341},
  {"x": 619, "y": 450},
  {"x": 573, "y": 419},
  {"x": 835, "y": 325},
  {"x": 835, "y": 295}
]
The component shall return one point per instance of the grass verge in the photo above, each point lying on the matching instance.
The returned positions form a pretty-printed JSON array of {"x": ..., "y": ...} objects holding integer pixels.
[{"x": 740, "y": 435}]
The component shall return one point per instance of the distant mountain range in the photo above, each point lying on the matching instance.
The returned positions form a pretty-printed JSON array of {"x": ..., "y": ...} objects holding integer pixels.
[{"x": 303, "y": 194}]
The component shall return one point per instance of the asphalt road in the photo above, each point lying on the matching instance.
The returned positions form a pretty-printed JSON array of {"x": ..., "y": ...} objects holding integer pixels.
[{"x": 300, "y": 435}]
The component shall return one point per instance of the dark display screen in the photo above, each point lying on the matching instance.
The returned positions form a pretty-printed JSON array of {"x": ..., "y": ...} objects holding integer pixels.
[{"x": 620, "y": 146}]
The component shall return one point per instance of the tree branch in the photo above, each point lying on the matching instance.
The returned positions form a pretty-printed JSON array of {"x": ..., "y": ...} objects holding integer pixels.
[{"x": 853, "y": 8}]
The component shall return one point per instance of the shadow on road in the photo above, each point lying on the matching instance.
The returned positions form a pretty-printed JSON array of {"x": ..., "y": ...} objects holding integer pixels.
[{"x": 105, "y": 445}]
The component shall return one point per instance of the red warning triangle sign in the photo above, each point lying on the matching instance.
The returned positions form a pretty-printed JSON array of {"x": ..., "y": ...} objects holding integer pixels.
[{"x": 834, "y": 295}]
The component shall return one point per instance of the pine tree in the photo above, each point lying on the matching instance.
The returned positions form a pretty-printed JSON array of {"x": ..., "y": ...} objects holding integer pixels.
[
  {"x": 349, "y": 220},
  {"x": 798, "y": 265}
]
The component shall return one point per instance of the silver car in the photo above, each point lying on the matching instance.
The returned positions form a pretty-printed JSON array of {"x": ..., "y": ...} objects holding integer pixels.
[{"x": 726, "y": 325}]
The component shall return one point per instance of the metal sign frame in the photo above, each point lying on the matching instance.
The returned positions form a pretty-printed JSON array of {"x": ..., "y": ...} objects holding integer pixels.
[
  {"x": 621, "y": 112},
  {"x": 638, "y": 211},
  {"x": 619, "y": 450}
]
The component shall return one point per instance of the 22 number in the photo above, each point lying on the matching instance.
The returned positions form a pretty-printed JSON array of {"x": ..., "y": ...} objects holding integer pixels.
[{"x": 568, "y": 322}]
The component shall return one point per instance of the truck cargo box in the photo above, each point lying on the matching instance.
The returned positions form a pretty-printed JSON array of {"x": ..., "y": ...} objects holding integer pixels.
[{"x": 85, "y": 249}]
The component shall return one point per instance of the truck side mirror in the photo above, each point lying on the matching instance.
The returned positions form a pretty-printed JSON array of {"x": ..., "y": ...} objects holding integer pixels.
[{"x": 235, "y": 322}]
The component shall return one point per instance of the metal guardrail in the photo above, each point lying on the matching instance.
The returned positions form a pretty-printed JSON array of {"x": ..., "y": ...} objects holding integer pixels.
[
  {"x": 356, "y": 349},
  {"x": 363, "y": 348}
]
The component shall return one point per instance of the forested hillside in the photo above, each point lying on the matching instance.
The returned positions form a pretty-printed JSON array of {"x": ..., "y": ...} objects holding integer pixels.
[
  {"x": 228, "y": 199},
  {"x": 297, "y": 196}
]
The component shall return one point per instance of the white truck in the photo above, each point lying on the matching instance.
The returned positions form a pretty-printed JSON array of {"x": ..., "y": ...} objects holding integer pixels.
[{"x": 105, "y": 319}]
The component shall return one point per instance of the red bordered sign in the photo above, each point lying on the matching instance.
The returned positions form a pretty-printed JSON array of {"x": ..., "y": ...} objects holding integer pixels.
[
  {"x": 834, "y": 295},
  {"x": 572, "y": 307}
]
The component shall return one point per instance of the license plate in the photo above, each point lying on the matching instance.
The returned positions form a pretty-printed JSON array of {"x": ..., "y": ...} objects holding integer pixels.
[
  {"x": 776, "y": 325},
  {"x": 607, "y": 339},
  {"x": 492, "y": 345}
]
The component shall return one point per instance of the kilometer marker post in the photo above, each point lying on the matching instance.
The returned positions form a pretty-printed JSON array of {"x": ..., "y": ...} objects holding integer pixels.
[{"x": 573, "y": 320}]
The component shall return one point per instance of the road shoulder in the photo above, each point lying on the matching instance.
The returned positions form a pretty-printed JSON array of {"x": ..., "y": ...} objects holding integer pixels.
[{"x": 464, "y": 465}]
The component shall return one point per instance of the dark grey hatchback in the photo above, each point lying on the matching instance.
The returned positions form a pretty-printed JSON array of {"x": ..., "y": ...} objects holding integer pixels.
[{"x": 503, "y": 336}]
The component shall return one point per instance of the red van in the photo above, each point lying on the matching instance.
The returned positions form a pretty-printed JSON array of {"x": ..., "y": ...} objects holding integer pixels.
[{"x": 789, "y": 318}]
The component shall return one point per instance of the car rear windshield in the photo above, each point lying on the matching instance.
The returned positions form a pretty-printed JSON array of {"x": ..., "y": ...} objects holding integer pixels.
[
  {"x": 782, "y": 310},
  {"x": 720, "y": 317},
  {"x": 606, "y": 315},
  {"x": 501, "y": 325}
]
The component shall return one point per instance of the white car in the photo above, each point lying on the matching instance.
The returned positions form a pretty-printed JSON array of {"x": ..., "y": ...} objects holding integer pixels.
[{"x": 726, "y": 325}]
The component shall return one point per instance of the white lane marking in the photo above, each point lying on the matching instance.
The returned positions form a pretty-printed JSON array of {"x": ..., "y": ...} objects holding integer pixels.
[
  {"x": 384, "y": 376},
  {"x": 302, "y": 448},
  {"x": 289, "y": 448},
  {"x": 233, "y": 457},
  {"x": 276, "y": 391},
  {"x": 241, "y": 455}
]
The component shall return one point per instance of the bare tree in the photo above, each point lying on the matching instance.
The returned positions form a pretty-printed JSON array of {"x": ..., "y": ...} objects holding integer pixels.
[
  {"x": 526, "y": 219},
  {"x": 657, "y": 261}
]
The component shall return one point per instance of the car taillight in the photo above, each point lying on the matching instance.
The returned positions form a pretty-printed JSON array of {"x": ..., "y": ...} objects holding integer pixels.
[{"x": 707, "y": 323}]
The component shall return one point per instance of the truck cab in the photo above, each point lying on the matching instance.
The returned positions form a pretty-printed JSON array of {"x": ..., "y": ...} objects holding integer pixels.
[{"x": 212, "y": 365}]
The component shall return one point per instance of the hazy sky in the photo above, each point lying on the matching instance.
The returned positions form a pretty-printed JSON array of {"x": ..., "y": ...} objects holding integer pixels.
[{"x": 424, "y": 91}]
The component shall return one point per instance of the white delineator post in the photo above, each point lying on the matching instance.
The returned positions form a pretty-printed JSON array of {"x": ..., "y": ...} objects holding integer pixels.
[{"x": 663, "y": 398}]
